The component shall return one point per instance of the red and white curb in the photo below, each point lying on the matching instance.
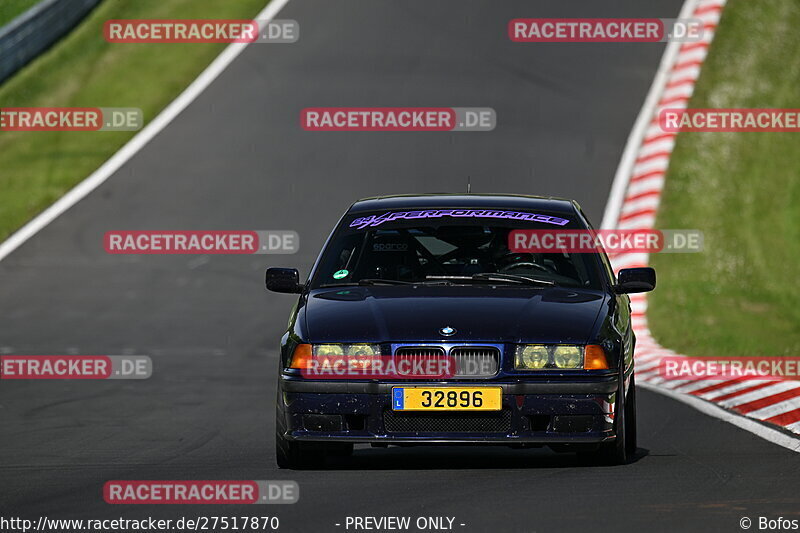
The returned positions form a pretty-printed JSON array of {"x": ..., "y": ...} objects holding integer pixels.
[{"x": 634, "y": 203}]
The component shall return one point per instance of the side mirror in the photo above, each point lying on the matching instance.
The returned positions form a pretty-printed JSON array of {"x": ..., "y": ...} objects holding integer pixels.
[
  {"x": 631, "y": 280},
  {"x": 284, "y": 280}
]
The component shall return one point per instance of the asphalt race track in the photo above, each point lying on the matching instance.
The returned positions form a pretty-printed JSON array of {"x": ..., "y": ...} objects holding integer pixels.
[{"x": 238, "y": 159}]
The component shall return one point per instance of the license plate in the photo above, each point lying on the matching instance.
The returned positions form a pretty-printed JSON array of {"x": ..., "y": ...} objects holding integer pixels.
[{"x": 447, "y": 398}]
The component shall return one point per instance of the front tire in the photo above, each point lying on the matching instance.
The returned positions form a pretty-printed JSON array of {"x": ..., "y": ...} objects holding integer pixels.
[
  {"x": 623, "y": 448},
  {"x": 630, "y": 425}
]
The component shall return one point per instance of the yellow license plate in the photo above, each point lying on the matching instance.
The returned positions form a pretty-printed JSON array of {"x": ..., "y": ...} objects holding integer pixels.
[{"x": 447, "y": 398}]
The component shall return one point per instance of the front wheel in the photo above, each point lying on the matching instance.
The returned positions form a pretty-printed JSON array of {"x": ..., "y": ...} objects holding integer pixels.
[{"x": 623, "y": 448}]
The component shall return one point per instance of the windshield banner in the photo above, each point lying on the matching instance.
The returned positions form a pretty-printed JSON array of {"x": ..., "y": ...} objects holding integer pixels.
[{"x": 376, "y": 220}]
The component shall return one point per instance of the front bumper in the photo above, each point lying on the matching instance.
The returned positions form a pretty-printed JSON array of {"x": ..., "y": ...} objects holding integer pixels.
[{"x": 554, "y": 412}]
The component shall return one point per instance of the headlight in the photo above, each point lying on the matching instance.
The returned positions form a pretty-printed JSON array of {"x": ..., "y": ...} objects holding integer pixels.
[
  {"x": 350, "y": 350},
  {"x": 363, "y": 350},
  {"x": 568, "y": 356},
  {"x": 360, "y": 355},
  {"x": 328, "y": 349},
  {"x": 557, "y": 356},
  {"x": 532, "y": 357}
]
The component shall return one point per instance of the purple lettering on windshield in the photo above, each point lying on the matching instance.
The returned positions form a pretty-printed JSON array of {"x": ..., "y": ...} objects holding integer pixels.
[{"x": 373, "y": 220}]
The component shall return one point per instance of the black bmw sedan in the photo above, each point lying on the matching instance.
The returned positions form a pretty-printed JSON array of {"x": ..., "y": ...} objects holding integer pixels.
[{"x": 422, "y": 322}]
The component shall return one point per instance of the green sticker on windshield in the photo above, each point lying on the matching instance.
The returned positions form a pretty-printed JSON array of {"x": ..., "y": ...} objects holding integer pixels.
[{"x": 339, "y": 274}]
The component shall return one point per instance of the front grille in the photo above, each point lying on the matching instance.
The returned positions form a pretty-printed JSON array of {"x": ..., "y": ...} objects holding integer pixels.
[
  {"x": 470, "y": 361},
  {"x": 494, "y": 422},
  {"x": 419, "y": 354},
  {"x": 476, "y": 362}
]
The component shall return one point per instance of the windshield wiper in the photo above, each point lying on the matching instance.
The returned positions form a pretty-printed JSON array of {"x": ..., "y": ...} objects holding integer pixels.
[
  {"x": 513, "y": 278},
  {"x": 378, "y": 281},
  {"x": 366, "y": 281},
  {"x": 492, "y": 277}
]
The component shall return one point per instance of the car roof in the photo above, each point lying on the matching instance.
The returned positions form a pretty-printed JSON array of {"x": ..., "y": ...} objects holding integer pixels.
[{"x": 465, "y": 200}]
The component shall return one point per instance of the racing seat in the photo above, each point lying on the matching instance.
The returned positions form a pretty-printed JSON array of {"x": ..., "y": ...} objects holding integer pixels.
[{"x": 390, "y": 256}]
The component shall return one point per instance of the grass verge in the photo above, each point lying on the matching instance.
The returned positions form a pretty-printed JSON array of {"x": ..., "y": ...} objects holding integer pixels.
[
  {"x": 83, "y": 70},
  {"x": 10, "y": 9},
  {"x": 740, "y": 296}
]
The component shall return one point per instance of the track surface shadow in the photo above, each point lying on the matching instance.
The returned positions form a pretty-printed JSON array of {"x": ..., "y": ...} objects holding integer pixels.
[{"x": 462, "y": 458}]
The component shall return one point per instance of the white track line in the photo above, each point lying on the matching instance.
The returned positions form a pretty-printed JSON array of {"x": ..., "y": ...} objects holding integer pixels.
[{"x": 122, "y": 156}]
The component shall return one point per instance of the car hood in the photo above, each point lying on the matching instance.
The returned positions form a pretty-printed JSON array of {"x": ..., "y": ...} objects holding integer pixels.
[{"x": 402, "y": 314}]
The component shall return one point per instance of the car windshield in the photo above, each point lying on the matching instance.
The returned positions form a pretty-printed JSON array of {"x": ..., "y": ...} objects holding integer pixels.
[{"x": 372, "y": 249}]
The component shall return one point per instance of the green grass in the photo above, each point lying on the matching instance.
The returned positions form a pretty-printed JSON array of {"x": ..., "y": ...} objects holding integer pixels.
[
  {"x": 10, "y": 9},
  {"x": 741, "y": 296},
  {"x": 83, "y": 70}
]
